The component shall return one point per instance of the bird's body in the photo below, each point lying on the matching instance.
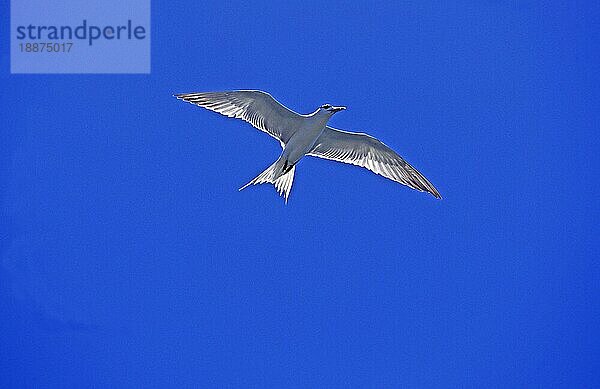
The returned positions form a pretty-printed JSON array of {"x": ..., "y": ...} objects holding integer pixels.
[
  {"x": 302, "y": 141},
  {"x": 301, "y": 135}
]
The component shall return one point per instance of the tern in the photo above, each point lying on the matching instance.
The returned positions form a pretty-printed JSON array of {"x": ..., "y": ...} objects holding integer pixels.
[{"x": 309, "y": 134}]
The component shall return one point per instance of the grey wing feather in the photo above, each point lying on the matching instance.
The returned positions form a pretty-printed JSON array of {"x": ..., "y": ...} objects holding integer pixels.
[
  {"x": 255, "y": 107},
  {"x": 365, "y": 151}
]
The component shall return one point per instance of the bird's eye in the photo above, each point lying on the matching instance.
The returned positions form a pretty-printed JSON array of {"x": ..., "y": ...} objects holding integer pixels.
[{"x": 326, "y": 106}]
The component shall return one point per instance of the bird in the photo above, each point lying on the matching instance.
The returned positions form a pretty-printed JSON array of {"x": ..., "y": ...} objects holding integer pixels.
[{"x": 308, "y": 134}]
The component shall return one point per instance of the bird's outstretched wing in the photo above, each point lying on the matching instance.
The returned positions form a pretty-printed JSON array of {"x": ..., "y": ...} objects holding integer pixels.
[
  {"x": 255, "y": 107},
  {"x": 365, "y": 151}
]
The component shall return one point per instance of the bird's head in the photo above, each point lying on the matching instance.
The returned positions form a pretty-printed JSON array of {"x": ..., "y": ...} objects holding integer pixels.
[{"x": 330, "y": 108}]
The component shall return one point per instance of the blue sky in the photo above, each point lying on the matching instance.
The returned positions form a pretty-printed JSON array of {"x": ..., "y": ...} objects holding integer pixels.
[{"x": 129, "y": 258}]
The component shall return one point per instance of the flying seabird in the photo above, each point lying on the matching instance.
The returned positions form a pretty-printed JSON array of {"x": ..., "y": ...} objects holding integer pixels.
[{"x": 301, "y": 135}]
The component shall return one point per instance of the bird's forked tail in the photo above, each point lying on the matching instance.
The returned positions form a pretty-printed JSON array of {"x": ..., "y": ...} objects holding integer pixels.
[{"x": 273, "y": 175}]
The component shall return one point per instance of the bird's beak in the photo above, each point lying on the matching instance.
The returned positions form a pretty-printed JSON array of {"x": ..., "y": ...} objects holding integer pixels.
[{"x": 337, "y": 109}]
